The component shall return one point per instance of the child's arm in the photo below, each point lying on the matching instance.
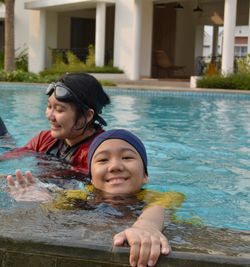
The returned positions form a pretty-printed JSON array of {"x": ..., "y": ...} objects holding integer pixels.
[{"x": 145, "y": 238}]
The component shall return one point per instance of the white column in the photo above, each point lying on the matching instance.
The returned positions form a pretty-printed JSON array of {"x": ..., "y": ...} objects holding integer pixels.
[
  {"x": 135, "y": 74},
  {"x": 146, "y": 38},
  {"x": 51, "y": 35},
  {"x": 37, "y": 41},
  {"x": 228, "y": 38},
  {"x": 248, "y": 47},
  {"x": 215, "y": 41},
  {"x": 100, "y": 34}
]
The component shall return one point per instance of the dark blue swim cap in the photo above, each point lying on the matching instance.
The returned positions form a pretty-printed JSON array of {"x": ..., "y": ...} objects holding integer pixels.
[{"x": 118, "y": 134}]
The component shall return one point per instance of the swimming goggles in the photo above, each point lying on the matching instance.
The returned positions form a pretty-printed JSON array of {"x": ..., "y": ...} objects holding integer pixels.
[{"x": 62, "y": 92}]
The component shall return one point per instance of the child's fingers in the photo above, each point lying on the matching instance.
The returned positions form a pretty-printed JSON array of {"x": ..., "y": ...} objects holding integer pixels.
[
  {"x": 119, "y": 239},
  {"x": 165, "y": 246},
  {"x": 29, "y": 177},
  {"x": 10, "y": 180},
  {"x": 20, "y": 178}
]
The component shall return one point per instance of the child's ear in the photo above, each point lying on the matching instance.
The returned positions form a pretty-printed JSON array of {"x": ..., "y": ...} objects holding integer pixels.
[
  {"x": 90, "y": 114},
  {"x": 145, "y": 179}
]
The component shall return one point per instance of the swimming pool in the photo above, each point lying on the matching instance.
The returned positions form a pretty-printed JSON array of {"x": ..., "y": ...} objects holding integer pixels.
[{"x": 198, "y": 144}]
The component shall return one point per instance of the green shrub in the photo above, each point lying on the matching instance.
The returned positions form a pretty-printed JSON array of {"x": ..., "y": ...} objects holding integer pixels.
[
  {"x": 21, "y": 60},
  {"x": 1, "y": 60},
  {"x": 233, "y": 81},
  {"x": 243, "y": 65},
  {"x": 107, "y": 83},
  {"x": 90, "y": 61},
  {"x": 79, "y": 68},
  {"x": 29, "y": 77},
  {"x": 18, "y": 76},
  {"x": 59, "y": 67},
  {"x": 48, "y": 78},
  {"x": 73, "y": 59},
  {"x": 57, "y": 58}
]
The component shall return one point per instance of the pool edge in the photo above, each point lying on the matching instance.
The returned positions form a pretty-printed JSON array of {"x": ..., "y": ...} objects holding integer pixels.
[{"x": 21, "y": 252}]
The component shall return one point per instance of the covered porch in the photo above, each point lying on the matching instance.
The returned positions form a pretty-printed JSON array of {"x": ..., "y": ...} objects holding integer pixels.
[{"x": 129, "y": 32}]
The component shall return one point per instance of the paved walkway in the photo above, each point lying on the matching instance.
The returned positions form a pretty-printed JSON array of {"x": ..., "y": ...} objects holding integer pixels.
[{"x": 122, "y": 81}]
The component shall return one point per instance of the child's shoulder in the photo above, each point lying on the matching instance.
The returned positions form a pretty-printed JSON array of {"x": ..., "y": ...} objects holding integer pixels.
[{"x": 168, "y": 199}]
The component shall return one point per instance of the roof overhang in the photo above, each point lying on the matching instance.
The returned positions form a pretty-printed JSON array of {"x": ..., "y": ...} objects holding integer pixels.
[{"x": 62, "y": 4}]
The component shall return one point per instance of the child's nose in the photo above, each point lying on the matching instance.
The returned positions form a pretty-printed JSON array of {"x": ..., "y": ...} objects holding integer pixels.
[
  {"x": 115, "y": 165},
  {"x": 50, "y": 114}
]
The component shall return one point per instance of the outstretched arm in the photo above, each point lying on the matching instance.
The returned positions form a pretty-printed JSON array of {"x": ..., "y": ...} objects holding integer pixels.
[
  {"x": 27, "y": 188},
  {"x": 145, "y": 238}
]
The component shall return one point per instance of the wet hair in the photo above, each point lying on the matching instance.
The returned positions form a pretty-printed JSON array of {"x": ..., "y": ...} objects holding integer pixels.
[
  {"x": 90, "y": 92},
  {"x": 124, "y": 135}
]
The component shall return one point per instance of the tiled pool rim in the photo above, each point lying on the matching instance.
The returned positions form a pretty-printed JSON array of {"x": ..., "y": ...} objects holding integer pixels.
[
  {"x": 154, "y": 91},
  {"x": 43, "y": 252},
  {"x": 29, "y": 253}
]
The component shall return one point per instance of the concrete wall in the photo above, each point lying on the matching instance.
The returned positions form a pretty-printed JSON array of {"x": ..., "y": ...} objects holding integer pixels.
[
  {"x": 2, "y": 11},
  {"x": 51, "y": 38},
  {"x": 146, "y": 38},
  {"x": 64, "y": 25},
  {"x": 123, "y": 40},
  {"x": 21, "y": 27},
  {"x": 49, "y": 253},
  {"x": 185, "y": 38}
]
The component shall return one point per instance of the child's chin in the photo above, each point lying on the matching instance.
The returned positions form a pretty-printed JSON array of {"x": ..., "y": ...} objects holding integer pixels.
[
  {"x": 55, "y": 134},
  {"x": 119, "y": 192}
]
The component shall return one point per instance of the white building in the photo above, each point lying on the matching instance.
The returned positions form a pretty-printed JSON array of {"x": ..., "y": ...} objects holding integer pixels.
[
  {"x": 240, "y": 41},
  {"x": 128, "y": 31}
]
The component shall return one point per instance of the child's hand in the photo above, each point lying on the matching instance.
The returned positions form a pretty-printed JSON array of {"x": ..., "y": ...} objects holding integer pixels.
[
  {"x": 26, "y": 188},
  {"x": 146, "y": 244}
]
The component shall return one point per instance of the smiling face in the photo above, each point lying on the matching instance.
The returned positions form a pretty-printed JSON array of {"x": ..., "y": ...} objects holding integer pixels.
[
  {"x": 62, "y": 118},
  {"x": 117, "y": 168}
]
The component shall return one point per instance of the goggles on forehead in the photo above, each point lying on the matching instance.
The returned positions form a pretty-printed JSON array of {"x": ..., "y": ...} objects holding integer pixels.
[{"x": 62, "y": 92}]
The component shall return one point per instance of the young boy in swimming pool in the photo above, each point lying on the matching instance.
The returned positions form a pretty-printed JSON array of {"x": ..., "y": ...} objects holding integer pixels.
[{"x": 117, "y": 162}]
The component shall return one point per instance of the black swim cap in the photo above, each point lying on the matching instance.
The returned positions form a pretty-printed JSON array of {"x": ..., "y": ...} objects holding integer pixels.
[{"x": 89, "y": 91}]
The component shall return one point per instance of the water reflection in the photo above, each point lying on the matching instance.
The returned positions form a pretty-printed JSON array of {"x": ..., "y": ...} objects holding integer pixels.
[{"x": 196, "y": 145}]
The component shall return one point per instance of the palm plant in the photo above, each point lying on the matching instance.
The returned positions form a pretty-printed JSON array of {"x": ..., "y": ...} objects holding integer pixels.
[{"x": 9, "y": 41}]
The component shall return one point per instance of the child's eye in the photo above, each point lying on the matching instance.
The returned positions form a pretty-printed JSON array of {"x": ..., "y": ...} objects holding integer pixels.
[
  {"x": 59, "y": 109},
  {"x": 101, "y": 160},
  {"x": 128, "y": 157}
]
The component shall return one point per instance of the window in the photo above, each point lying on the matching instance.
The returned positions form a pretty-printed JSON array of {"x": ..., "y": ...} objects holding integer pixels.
[{"x": 240, "y": 51}]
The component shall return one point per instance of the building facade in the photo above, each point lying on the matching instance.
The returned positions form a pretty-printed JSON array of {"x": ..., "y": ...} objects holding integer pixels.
[{"x": 128, "y": 32}]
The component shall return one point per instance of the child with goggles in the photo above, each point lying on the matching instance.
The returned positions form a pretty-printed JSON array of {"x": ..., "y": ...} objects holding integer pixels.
[
  {"x": 118, "y": 167},
  {"x": 75, "y": 103}
]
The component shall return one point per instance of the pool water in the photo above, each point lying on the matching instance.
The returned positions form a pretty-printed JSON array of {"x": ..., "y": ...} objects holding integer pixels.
[{"x": 198, "y": 144}]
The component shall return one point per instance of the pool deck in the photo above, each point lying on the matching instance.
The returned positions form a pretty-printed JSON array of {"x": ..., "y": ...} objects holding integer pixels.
[
  {"x": 176, "y": 85},
  {"x": 30, "y": 236},
  {"x": 122, "y": 81}
]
